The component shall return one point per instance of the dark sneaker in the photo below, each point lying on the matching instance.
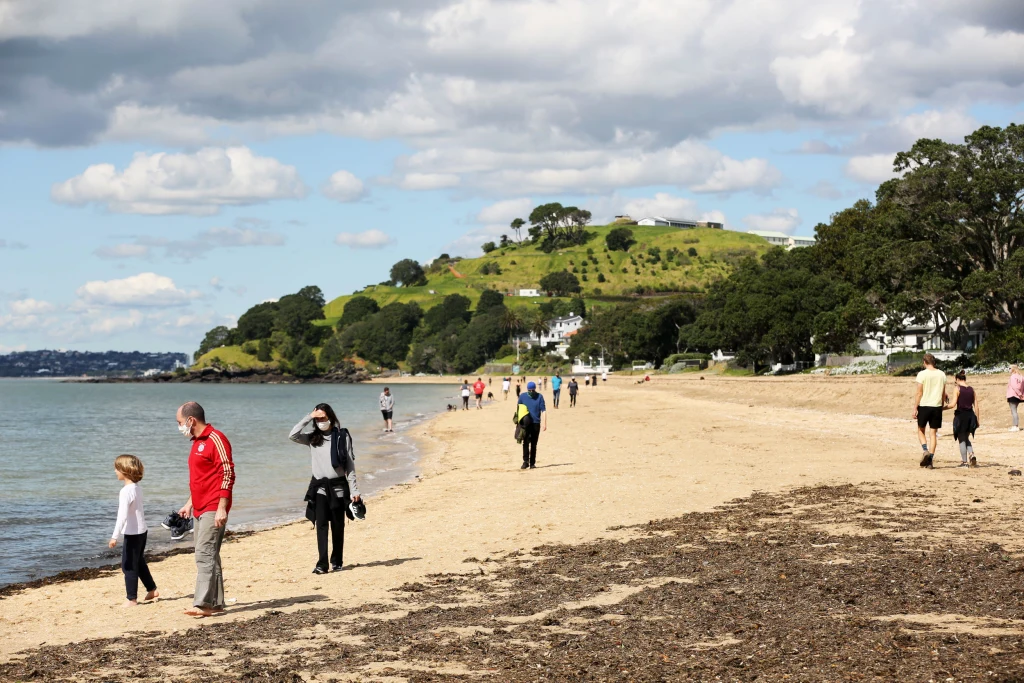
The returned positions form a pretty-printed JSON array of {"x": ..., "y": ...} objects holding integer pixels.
[
  {"x": 184, "y": 527},
  {"x": 171, "y": 521},
  {"x": 319, "y": 570},
  {"x": 1014, "y": 473},
  {"x": 974, "y": 461},
  {"x": 358, "y": 510},
  {"x": 963, "y": 464},
  {"x": 335, "y": 567},
  {"x": 525, "y": 466},
  {"x": 926, "y": 461}
]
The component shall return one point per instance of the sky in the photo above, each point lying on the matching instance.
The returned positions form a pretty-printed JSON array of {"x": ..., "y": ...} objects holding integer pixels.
[{"x": 164, "y": 166}]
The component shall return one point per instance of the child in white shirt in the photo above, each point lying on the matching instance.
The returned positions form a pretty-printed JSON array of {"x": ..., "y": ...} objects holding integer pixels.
[{"x": 131, "y": 522}]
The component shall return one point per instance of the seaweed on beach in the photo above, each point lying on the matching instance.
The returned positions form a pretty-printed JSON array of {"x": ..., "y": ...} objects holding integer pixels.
[{"x": 827, "y": 583}]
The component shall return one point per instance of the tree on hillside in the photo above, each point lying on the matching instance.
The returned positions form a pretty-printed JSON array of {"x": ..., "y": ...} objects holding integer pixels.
[
  {"x": 511, "y": 323},
  {"x": 296, "y": 312},
  {"x": 258, "y": 321},
  {"x": 408, "y": 273},
  {"x": 332, "y": 354},
  {"x": 517, "y": 227},
  {"x": 559, "y": 226},
  {"x": 489, "y": 299},
  {"x": 538, "y": 325},
  {"x": 488, "y": 247},
  {"x": 645, "y": 330},
  {"x": 384, "y": 338},
  {"x": 214, "y": 338},
  {"x": 452, "y": 307},
  {"x": 560, "y": 283},
  {"x": 619, "y": 239},
  {"x": 303, "y": 362},
  {"x": 356, "y": 309}
]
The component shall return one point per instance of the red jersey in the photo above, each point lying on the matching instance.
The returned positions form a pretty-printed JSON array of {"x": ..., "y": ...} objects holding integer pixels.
[
  {"x": 211, "y": 472},
  {"x": 478, "y": 388}
]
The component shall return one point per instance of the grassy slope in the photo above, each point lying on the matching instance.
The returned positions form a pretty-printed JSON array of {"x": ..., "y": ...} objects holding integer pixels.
[
  {"x": 231, "y": 355},
  {"x": 531, "y": 265}
]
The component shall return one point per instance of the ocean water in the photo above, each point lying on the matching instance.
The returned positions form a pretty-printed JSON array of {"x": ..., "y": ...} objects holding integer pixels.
[{"x": 58, "y": 442}]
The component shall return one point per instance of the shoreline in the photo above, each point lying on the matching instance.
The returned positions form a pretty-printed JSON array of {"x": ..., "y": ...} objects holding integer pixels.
[{"x": 606, "y": 470}]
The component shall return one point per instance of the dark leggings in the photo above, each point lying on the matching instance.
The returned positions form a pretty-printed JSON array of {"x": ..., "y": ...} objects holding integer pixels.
[
  {"x": 572, "y": 400},
  {"x": 325, "y": 517},
  {"x": 133, "y": 564},
  {"x": 530, "y": 437}
]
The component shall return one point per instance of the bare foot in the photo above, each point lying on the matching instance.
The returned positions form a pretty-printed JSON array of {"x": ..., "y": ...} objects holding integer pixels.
[
  {"x": 130, "y": 603},
  {"x": 201, "y": 612},
  {"x": 152, "y": 595}
]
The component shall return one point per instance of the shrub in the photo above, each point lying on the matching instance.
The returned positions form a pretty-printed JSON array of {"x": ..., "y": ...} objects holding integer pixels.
[
  {"x": 601, "y": 277},
  {"x": 664, "y": 265},
  {"x": 250, "y": 347},
  {"x": 625, "y": 270},
  {"x": 597, "y": 291},
  {"x": 691, "y": 252},
  {"x": 584, "y": 277},
  {"x": 488, "y": 247},
  {"x": 512, "y": 262},
  {"x": 620, "y": 239},
  {"x": 691, "y": 240},
  {"x": 1002, "y": 346},
  {"x": 263, "y": 353}
]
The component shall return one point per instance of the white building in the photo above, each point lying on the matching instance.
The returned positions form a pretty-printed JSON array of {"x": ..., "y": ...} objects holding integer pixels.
[
  {"x": 924, "y": 338},
  {"x": 529, "y": 292},
  {"x": 781, "y": 239},
  {"x": 560, "y": 331},
  {"x": 678, "y": 222}
]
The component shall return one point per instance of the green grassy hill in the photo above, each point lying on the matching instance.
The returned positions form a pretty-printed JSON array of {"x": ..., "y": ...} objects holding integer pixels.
[{"x": 522, "y": 267}]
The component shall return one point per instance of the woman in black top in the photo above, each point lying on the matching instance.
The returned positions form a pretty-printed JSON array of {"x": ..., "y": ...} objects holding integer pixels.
[{"x": 966, "y": 419}]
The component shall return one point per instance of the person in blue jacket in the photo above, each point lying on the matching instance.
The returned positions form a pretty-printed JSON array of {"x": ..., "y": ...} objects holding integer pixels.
[{"x": 534, "y": 402}]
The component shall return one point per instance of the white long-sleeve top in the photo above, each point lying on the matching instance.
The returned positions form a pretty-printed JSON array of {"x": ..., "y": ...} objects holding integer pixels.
[{"x": 131, "y": 519}]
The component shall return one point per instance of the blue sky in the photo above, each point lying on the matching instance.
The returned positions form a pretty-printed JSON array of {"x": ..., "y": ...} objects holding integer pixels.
[{"x": 163, "y": 169}]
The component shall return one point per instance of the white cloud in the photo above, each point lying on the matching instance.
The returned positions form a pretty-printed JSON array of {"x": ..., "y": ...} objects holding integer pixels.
[
  {"x": 144, "y": 289},
  {"x": 199, "y": 183},
  {"x": 872, "y": 168},
  {"x": 4, "y": 349},
  {"x": 30, "y": 307},
  {"x": 661, "y": 204},
  {"x": 216, "y": 283},
  {"x": 428, "y": 181},
  {"x": 342, "y": 186},
  {"x": 780, "y": 220},
  {"x": 504, "y": 212},
  {"x": 123, "y": 251},
  {"x": 239, "y": 237},
  {"x": 212, "y": 238},
  {"x": 369, "y": 239},
  {"x": 825, "y": 190}
]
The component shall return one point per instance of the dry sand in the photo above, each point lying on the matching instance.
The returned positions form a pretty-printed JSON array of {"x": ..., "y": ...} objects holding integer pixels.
[{"x": 625, "y": 455}]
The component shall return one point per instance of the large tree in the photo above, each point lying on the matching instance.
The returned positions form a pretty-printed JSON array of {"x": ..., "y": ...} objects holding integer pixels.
[
  {"x": 258, "y": 321},
  {"x": 357, "y": 309},
  {"x": 408, "y": 273},
  {"x": 560, "y": 283}
]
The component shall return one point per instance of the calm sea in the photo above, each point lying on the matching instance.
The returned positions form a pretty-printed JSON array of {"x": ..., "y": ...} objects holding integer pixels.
[{"x": 58, "y": 442}]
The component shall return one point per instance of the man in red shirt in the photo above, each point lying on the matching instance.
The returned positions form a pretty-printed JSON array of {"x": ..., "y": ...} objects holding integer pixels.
[
  {"x": 478, "y": 389},
  {"x": 211, "y": 477}
]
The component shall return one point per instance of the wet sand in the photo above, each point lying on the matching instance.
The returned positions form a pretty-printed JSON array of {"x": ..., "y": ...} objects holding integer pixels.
[{"x": 627, "y": 455}]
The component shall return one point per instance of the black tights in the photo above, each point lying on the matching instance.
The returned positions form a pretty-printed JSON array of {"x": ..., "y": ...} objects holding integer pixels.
[
  {"x": 133, "y": 564},
  {"x": 572, "y": 400},
  {"x": 531, "y": 433},
  {"x": 325, "y": 517}
]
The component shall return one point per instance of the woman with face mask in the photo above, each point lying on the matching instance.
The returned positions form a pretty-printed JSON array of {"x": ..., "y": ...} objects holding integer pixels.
[{"x": 333, "y": 484}]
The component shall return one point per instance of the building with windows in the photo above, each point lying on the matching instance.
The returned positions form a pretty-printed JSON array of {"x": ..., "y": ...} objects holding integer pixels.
[
  {"x": 558, "y": 336},
  {"x": 529, "y": 292},
  {"x": 685, "y": 223},
  {"x": 781, "y": 239}
]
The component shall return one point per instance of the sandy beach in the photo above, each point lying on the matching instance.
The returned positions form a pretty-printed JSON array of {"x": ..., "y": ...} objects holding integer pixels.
[{"x": 447, "y": 569}]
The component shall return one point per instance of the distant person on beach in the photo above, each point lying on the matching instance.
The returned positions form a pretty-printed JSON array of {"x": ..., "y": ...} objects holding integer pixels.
[
  {"x": 333, "y": 484},
  {"x": 574, "y": 389},
  {"x": 506, "y": 383},
  {"x": 465, "y": 395},
  {"x": 604, "y": 375},
  {"x": 545, "y": 381},
  {"x": 1014, "y": 395},
  {"x": 593, "y": 380},
  {"x": 929, "y": 401},
  {"x": 131, "y": 523},
  {"x": 966, "y": 418},
  {"x": 387, "y": 409},
  {"x": 478, "y": 388},
  {"x": 211, "y": 474},
  {"x": 534, "y": 402},
  {"x": 519, "y": 388},
  {"x": 556, "y": 389}
]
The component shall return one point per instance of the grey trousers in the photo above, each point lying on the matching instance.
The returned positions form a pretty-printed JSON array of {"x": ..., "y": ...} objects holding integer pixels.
[{"x": 209, "y": 579}]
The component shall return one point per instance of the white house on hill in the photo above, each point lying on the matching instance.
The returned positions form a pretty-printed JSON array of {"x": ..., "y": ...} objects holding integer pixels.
[
  {"x": 529, "y": 292},
  {"x": 560, "y": 332},
  {"x": 781, "y": 239},
  {"x": 678, "y": 222}
]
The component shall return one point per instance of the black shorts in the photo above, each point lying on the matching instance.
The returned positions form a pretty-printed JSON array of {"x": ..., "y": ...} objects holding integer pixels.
[
  {"x": 386, "y": 414},
  {"x": 1014, "y": 400},
  {"x": 929, "y": 416}
]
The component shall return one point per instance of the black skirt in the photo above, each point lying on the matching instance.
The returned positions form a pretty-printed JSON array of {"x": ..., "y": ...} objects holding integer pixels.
[{"x": 965, "y": 422}]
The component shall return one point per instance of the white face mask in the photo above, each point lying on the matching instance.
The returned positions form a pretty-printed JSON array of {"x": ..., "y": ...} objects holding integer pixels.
[
  {"x": 184, "y": 429},
  {"x": 324, "y": 426}
]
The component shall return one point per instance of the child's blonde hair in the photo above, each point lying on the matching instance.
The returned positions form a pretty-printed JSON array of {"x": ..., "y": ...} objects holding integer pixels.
[{"x": 130, "y": 466}]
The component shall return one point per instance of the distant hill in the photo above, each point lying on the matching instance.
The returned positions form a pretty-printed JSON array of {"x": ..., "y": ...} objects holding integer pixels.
[
  {"x": 77, "y": 363},
  {"x": 522, "y": 267}
]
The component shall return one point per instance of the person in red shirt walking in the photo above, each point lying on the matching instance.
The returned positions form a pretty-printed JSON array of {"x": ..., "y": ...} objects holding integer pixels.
[
  {"x": 478, "y": 389},
  {"x": 211, "y": 477}
]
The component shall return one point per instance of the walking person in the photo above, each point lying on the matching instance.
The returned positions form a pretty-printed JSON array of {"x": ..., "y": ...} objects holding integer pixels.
[
  {"x": 333, "y": 484},
  {"x": 387, "y": 409},
  {"x": 534, "y": 402},
  {"x": 556, "y": 389},
  {"x": 519, "y": 389},
  {"x": 966, "y": 418},
  {"x": 1015, "y": 394},
  {"x": 465, "y": 395},
  {"x": 929, "y": 402},
  {"x": 604, "y": 375},
  {"x": 574, "y": 389},
  {"x": 131, "y": 524},
  {"x": 506, "y": 382},
  {"x": 545, "y": 381},
  {"x": 211, "y": 479},
  {"x": 478, "y": 389}
]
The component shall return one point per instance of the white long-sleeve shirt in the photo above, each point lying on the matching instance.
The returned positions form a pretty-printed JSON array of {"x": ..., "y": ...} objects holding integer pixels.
[{"x": 131, "y": 518}]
